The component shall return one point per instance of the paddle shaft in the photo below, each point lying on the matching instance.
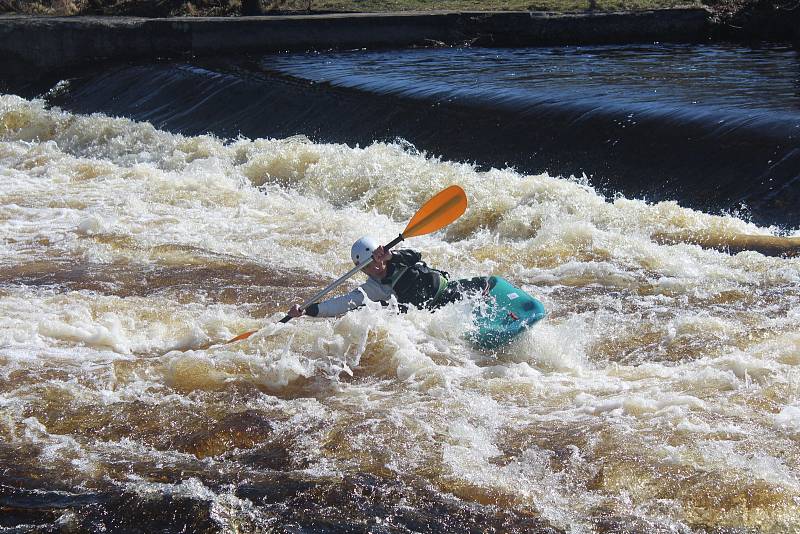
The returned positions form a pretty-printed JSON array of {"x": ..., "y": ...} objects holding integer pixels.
[{"x": 342, "y": 278}]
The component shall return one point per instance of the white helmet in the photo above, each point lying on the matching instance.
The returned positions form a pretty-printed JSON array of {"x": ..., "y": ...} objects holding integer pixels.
[{"x": 363, "y": 249}]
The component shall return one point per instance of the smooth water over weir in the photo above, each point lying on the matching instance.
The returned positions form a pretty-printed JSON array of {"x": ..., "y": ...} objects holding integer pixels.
[{"x": 732, "y": 78}]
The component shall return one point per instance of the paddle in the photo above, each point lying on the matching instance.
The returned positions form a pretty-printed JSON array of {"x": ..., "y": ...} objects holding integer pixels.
[{"x": 444, "y": 208}]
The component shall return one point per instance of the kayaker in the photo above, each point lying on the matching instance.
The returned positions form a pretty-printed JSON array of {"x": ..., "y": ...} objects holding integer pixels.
[{"x": 398, "y": 273}]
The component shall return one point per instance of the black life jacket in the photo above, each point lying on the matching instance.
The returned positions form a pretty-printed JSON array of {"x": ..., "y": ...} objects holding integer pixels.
[{"x": 412, "y": 280}]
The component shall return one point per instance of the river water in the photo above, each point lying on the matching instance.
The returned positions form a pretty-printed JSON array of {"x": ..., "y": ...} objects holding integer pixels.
[{"x": 661, "y": 393}]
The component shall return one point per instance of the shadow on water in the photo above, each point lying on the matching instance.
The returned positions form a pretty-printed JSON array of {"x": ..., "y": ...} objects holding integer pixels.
[{"x": 282, "y": 501}]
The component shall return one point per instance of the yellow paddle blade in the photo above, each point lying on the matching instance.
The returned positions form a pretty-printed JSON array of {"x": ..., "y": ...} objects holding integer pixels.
[{"x": 447, "y": 206}]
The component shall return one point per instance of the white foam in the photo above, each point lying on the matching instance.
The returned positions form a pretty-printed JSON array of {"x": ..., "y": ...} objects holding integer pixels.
[
  {"x": 665, "y": 343},
  {"x": 788, "y": 420}
]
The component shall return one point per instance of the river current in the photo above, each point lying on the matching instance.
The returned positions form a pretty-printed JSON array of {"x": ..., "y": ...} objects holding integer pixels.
[{"x": 660, "y": 394}]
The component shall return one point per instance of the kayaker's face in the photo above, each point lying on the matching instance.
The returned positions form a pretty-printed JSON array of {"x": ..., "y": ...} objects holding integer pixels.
[{"x": 375, "y": 269}]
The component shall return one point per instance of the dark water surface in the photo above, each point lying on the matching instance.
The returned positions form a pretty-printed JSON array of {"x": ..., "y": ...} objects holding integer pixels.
[{"x": 723, "y": 80}]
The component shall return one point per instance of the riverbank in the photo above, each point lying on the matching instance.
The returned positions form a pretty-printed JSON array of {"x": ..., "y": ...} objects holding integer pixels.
[
  {"x": 222, "y": 8},
  {"x": 770, "y": 20},
  {"x": 39, "y": 46}
]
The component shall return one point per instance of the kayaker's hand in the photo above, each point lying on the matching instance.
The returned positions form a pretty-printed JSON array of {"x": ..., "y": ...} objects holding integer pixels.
[
  {"x": 295, "y": 311},
  {"x": 380, "y": 255}
]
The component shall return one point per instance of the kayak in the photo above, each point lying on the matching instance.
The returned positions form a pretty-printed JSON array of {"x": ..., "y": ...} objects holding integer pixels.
[{"x": 505, "y": 313}]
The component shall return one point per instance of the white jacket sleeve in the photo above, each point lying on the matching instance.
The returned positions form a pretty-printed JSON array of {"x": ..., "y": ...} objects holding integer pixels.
[{"x": 343, "y": 304}]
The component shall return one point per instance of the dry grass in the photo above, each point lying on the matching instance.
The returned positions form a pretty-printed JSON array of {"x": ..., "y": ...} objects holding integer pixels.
[
  {"x": 163, "y": 8},
  {"x": 52, "y": 7},
  {"x": 147, "y": 8}
]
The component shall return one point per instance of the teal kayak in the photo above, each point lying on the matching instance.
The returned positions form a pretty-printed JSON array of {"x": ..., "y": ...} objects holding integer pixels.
[{"x": 506, "y": 312}]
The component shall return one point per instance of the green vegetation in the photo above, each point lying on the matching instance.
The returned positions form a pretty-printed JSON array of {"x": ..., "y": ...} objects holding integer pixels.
[{"x": 162, "y": 8}]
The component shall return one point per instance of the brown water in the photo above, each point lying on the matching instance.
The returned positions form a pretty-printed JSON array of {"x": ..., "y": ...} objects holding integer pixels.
[{"x": 661, "y": 394}]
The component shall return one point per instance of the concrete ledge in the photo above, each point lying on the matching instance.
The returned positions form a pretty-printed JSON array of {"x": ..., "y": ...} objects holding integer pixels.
[{"x": 35, "y": 47}]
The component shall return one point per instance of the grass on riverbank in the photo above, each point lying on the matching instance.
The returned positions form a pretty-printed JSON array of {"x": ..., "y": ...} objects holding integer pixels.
[{"x": 163, "y": 8}]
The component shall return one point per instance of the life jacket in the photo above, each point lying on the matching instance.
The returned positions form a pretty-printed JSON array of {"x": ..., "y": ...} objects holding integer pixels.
[{"x": 412, "y": 281}]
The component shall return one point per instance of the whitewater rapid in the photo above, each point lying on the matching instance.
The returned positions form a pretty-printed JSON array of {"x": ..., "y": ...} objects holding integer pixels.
[{"x": 661, "y": 393}]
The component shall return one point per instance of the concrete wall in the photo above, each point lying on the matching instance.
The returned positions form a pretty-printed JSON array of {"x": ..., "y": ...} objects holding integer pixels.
[{"x": 33, "y": 47}]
